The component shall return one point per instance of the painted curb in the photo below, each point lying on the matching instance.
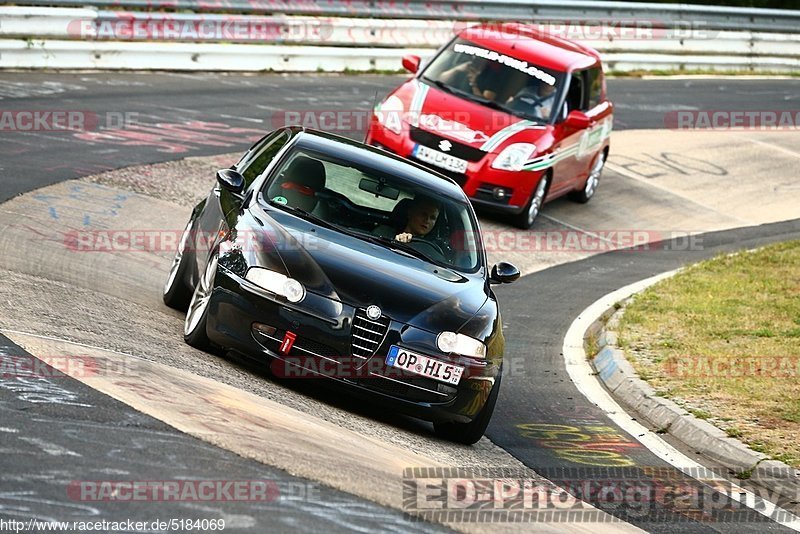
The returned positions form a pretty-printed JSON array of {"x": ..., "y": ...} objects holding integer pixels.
[{"x": 635, "y": 395}]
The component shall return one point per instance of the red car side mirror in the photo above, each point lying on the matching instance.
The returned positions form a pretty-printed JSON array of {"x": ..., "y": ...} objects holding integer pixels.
[
  {"x": 577, "y": 120},
  {"x": 411, "y": 63}
]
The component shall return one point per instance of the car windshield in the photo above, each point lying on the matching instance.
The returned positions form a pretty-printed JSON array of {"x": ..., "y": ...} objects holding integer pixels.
[
  {"x": 496, "y": 80},
  {"x": 377, "y": 207}
]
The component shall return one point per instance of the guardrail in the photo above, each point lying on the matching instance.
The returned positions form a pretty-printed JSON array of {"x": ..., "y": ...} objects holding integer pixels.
[
  {"x": 714, "y": 17},
  {"x": 78, "y": 38}
]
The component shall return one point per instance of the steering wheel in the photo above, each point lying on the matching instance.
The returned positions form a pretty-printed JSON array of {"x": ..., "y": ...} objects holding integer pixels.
[{"x": 430, "y": 244}]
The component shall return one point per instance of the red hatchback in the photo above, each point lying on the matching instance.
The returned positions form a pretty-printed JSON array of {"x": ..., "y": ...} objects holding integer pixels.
[{"x": 516, "y": 117}]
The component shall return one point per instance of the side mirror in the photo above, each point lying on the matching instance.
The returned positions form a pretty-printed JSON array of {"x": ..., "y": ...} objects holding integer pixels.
[
  {"x": 577, "y": 120},
  {"x": 503, "y": 273},
  {"x": 231, "y": 180},
  {"x": 411, "y": 63}
]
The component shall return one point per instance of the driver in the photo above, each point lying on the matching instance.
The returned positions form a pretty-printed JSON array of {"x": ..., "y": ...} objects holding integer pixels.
[
  {"x": 422, "y": 215},
  {"x": 536, "y": 101}
]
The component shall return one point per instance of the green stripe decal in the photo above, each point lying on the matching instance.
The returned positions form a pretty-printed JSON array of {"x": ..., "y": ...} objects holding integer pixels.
[{"x": 504, "y": 134}]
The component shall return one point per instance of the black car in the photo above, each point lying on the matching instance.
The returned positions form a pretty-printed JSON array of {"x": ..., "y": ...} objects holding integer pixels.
[{"x": 328, "y": 257}]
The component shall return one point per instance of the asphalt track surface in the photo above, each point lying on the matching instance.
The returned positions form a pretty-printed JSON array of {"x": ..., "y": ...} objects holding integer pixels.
[
  {"x": 58, "y": 433},
  {"x": 229, "y": 112},
  {"x": 537, "y": 312}
]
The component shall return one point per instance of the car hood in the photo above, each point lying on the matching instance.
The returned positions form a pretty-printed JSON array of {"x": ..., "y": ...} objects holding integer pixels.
[
  {"x": 463, "y": 120},
  {"x": 360, "y": 273}
]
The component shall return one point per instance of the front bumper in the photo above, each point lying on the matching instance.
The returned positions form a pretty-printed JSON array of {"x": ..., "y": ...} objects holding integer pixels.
[
  {"x": 478, "y": 182},
  {"x": 255, "y": 325}
]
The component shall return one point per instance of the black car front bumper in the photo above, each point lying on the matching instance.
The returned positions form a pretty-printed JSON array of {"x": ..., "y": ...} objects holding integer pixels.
[{"x": 252, "y": 322}]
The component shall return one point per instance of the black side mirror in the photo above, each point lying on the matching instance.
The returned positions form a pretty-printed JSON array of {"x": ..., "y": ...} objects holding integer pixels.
[
  {"x": 231, "y": 180},
  {"x": 503, "y": 273}
]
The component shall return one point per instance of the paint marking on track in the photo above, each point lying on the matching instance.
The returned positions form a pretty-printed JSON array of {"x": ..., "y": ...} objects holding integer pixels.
[
  {"x": 50, "y": 448},
  {"x": 779, "y": 148},
  {"x": 582, "y": 375},
  {"x": 578, "y": 229},
  {"x": 626, "y": 173}
]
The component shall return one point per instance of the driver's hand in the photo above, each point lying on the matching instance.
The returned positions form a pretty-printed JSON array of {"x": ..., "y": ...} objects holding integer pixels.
[{"x": 405, "y": 237}]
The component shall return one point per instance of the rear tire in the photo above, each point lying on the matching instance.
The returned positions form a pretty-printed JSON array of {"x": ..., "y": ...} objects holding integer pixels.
[
  {"x": 176, "y": 293},
  {"x": 527, "y": 216},
  {"x": 194, "y": 327},
  {"x": 469, "y": 433}
]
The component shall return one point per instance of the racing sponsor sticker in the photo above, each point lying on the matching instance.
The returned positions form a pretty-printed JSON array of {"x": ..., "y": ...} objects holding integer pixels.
[{"x": 424, "y": 365}]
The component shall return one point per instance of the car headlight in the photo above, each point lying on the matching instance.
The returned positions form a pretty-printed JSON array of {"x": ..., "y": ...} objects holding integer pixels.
[
  {"x": 460, "y": 344},
  {"x": 390, "y": 114},
  {"x": 514, "y": 157},
  {"x": 277, "y": 283}
]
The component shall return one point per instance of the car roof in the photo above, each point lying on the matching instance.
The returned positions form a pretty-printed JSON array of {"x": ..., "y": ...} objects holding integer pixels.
[
  {"x": 527, "y": 42},
  {"x": 346, "y": 149}
]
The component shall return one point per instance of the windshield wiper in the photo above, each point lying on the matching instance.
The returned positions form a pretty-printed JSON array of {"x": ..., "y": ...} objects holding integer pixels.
[
  {"x": 496, "y": 105},
  {"x": 309, "y": 216},
  {"x": 447, "y": 88},
  {"x": 400, "y": 247},
  {"x": 481, "y": 100}
]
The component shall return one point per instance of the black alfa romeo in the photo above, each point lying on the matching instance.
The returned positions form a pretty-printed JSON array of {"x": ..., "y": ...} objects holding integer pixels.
[{"x": 331, "y": 258}]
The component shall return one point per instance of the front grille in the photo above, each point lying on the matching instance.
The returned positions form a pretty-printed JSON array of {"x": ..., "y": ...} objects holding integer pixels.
[
  {"x": 426, "y": 390},
  {"x": 318, "y": 349},
  {"x": 367, "y": 335},
  {"x": 459, "y": 150}
]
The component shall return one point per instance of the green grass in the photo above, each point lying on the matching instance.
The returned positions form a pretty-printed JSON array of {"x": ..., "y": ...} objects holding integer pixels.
[{"x": 722, "y": 337}]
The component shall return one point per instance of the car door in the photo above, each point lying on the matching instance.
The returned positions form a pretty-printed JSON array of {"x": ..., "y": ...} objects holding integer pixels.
[
  {"x": 213, "y": 223},
  {"x": 565, "y": 149},
  {"x": 599, "y": 111}
]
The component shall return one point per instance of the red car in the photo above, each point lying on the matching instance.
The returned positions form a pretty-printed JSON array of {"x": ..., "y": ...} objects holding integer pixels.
[{"x": 516, "y": 117}]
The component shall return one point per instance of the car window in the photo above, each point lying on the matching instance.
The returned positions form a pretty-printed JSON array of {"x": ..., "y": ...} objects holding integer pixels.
[
  {"x": 575, "y": 94},
  {"x": 594, "y": 81},
  {"x": 256, "y": 160},
  {"x": 370, "y": 203},
  {"x": 496, "y": 80}
]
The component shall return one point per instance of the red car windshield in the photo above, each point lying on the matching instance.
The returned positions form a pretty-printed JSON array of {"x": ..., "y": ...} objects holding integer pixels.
[{"x": 496, "y": 80}]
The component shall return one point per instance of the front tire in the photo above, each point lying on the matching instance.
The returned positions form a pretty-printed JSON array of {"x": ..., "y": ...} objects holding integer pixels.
[
  {"x": 176, "y": 293},
  {"x": 194, "y": 327},
  {"x": 469, "y": 433},
  {"x": 528, "y": 215},
  {"x": 592, "y": 181}
]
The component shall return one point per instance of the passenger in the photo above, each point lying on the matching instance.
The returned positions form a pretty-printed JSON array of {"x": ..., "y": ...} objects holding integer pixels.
[{"x": 476, "y": 74}]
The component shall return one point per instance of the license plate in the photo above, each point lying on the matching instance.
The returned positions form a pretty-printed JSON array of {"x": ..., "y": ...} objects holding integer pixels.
[
  {"x": 440, "y": 159},
  {"x": 422, "y": 365}
]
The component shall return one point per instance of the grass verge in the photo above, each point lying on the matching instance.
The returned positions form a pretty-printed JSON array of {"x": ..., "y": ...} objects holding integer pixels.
[{"x": 722, "y": 338}]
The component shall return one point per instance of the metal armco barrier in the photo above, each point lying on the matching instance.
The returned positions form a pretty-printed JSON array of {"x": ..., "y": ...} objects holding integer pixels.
[
  {"x": 714, "y": 17},
  {"x": 630, "y": 38}
]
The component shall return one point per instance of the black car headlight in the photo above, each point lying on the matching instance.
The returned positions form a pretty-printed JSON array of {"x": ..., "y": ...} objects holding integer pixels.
[
  {"x": 460, "y": 344},
  {"x": 277, "y": 283}
]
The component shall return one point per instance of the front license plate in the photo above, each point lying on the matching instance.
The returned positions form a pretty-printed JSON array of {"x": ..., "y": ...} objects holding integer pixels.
[
  {"x": 422, "y": 365},
  {"x": 440, "y": 159}
]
